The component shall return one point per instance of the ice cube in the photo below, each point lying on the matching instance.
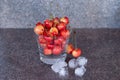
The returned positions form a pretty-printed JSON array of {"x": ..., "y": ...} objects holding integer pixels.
[
  {"x": 55, "y": 68},
  {"x": 62, "y": 64},
  {"x": 80, "y": 71},
  {"x": 82, "y": 61},
  {"x": 58, "y": 65},
  {"x": 63, "y": 72},
  {"x": 72, "y": 63}
]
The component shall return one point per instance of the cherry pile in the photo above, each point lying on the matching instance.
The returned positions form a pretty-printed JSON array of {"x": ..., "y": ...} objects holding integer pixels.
[{"x": 53, "y": 35}]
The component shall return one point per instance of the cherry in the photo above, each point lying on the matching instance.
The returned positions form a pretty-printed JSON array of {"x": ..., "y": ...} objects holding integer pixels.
[
  {"x": 47, "y": 51},
  {"x": 51, "y": 46},
  {"x": 65, "y": 33},
  {"x": 65, "y": 20},
  {"x": 41, "y": 40},
  {"x": 48, "y": 38},
  {"x": 54, "y": 31},
  {"x": 57, "y": 42},
  {"x": 61, "y": 26},
  {"x": 48, "y": 23},
  {"x": 56, "y": 20},
  {"x": 76, "y": 52},
  {"x": 57, "y": 50},
  {"x": 39, "y": 29},
  {"x": 43, "y": 45},
  {"x": 69, "y": 48}
]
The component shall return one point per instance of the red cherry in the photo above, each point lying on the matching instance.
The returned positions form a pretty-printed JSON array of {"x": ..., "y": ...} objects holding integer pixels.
[
  {"x": 47, "y": 33},
  {"x": 57, "y": 50},
  {"x": 61, "y": 38},
  {"x": 57, "y": 42},
  {"x": 63, "y": 43},
  {"x": 69, "y": 48},
  {"x": 54, "y": 31},
  {"x": 65, "y": 33},
  {"x": 48, "y": 23},
  {"x": 43, "y": 45},
  {"x": 61, "y": 26},
  {"x": 41, "y": 40},
  {"x": 48, "y": 38},
  {"x": 50, "y": 46},
  {"x": 39, "y": 29},
  {"x": 56, "y": 20},
  {"x": 38, "y": 23},
  {"x": 76, "y": 52},
  {"x": 65, "y": 20},
  {"x": 47, "y": 51}
]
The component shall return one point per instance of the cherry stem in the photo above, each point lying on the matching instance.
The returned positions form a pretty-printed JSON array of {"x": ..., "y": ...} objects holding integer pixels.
[
  {"x": 75, "y": 41},
  {"x": 51, "y": 14}
]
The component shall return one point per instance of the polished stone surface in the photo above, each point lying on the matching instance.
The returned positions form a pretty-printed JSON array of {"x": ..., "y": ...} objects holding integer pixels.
[
  {"x": 82, "y": 13},
  {"x": 19, "y": 59}
]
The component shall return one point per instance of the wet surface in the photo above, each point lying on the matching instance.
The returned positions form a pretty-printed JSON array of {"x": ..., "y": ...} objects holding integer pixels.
[{"x": 19, "y": 59}]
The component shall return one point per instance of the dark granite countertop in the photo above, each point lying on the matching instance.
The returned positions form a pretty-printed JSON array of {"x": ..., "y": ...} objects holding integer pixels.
[{"x": 19, "y": 61}]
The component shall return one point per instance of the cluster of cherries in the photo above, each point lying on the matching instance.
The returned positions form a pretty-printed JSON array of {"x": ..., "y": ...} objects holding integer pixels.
[{"x": 53, "y": 35}]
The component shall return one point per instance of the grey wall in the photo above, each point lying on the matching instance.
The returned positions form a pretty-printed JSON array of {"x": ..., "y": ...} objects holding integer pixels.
[{"x": 82, "y": 13}]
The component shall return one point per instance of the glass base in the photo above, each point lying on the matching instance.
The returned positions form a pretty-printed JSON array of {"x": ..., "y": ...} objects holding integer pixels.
[{"x": 51, "y": 59}]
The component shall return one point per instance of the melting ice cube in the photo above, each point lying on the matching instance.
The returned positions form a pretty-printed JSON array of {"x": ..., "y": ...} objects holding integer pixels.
[
  {"x": 55, "y": 68},
  {"x": 82, "y": 61},
  {"x": 72, "y": 63},
  {"x": 62, "y": 64},
  {"x": 63, "y": 72},
  {"x": 80, "y": 71},
  {"x": 58, "y": 66}
]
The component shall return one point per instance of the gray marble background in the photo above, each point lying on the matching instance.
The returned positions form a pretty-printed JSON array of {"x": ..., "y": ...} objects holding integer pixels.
[{"x": 82, "y": 13}]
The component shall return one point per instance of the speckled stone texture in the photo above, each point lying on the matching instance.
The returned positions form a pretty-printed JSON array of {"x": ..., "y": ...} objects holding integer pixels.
[
  {"x": 19, "y": 59},
  {"x": 82, "y": 13}
]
